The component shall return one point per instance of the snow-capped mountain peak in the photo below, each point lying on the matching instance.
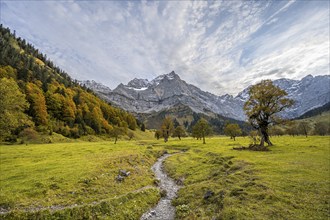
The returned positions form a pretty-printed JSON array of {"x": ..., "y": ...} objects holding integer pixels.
[
  {"x": 95, "y": 86},
  {"x": 170, "y": 76},
  {"x": 138, "y": 83},
  {"x": 168, "y": 90}
]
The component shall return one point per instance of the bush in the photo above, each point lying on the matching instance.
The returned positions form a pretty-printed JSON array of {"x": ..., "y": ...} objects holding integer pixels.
[{"x": 28, "y": 134}]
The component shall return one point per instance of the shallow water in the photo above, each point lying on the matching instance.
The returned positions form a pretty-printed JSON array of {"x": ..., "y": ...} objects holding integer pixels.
[{"x": 164, "y": 209}]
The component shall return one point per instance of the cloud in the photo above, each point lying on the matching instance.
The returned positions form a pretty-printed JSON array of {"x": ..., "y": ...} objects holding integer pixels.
[{"x": 220, "y": 46}]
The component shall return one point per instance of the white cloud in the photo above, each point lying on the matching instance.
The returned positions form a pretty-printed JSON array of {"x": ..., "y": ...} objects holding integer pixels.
[{"x": 220, "y": 46}]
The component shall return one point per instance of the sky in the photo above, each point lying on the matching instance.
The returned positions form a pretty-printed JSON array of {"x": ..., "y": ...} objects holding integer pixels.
[{"x": 220, "y": 46}]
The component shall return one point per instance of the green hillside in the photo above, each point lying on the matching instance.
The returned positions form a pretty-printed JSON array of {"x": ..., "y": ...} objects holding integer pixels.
[
  {"x": 185, "y": 116},
  {"x": 316, "y": 111},
  {"x": 321, "y": 117},
  {"x": 38, "y": 96}
]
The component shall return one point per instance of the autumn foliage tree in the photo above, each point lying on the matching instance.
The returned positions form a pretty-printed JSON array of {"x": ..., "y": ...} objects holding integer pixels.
[
  {"x": 265, "y": 101},
  {"x": 322, "y": 128},
  {"x": 232, "y": 130},
  {"x": 36, "y": 98},
  {"x": 158, "y": 134},
  {"x": 33, "y": 87},
  {"x": 167, "y": 128},
  {"x": 179, "y": 132},
  {"x": 201, "y": 129},
  {"x": 12, "y": 107},
  {"x": 116, "y": 132},
  {"x": 304, "y": 128}
]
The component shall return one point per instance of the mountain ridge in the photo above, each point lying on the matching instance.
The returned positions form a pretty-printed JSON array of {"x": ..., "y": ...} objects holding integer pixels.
[{"x": 164, "y": 91}]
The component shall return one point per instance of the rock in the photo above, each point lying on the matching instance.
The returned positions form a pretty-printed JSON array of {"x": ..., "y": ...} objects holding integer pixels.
[
  {"x": 167, "y": 91},
  {"x": 156, "y": 182},
  {"x": 120, "y": 178},
  {"x": 180, "y": 181},
  {"x": 124, "y": 173},
  {"x": 153, "y": 212},
  {"x": 208, "y": 194},
  {"x": 163, "y": 193}
]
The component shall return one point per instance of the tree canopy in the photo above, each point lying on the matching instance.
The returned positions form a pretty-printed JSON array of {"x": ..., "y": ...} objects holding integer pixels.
[
  {"x": 179, "y": 132},
  {"x": 265, "y": 101},
  {"x": 12, "y": 107},
  {"x": 167, "y": 128},
  {"x": 201, "y": 129},
  {"x": 33, "y": 87},
  {"x": 232, "y": 130}
]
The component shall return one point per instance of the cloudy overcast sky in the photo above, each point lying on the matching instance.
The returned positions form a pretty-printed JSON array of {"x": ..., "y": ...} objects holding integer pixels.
[{"x": 219, "y": 46}]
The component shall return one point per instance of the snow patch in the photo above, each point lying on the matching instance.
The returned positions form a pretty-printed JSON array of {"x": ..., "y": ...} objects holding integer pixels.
[{"x": 140, "y": 89}]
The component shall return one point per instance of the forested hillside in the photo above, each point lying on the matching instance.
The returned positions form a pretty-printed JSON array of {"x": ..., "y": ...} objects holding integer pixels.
[
  {"x": 316, "y": 111},
  {"x": 38, "y": 96}
]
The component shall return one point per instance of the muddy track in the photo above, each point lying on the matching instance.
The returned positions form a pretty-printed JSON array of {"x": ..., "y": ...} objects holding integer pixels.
[{"x": 164, "y": 209}]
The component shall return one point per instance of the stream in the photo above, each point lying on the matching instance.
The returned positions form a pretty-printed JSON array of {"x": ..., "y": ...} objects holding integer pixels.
[{"x": 164, "y": 209}]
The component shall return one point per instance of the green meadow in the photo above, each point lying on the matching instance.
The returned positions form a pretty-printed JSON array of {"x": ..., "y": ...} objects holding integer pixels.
[
  {"x": 292, "y": 181},
  {"x": 78, "y": 180}
]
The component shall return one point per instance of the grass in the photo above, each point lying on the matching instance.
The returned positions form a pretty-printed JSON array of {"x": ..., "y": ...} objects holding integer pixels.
[
  {"x": 292, "y": 181},
  {"x": 45, "y": 138},
  {"x": 323, "y": 117},
  {"x": 35, "y": 177},
  {"x": 77, "y": 180}
]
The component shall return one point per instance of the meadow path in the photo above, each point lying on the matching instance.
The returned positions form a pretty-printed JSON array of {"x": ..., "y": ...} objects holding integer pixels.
[{"x": 164, "y": 209}]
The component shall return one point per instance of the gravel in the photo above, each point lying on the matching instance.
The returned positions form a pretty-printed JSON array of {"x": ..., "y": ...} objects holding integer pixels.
[{"x": 164, "y": 209}]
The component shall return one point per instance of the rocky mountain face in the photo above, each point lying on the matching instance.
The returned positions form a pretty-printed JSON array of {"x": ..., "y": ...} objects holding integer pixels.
[
  {"x": 167, "y": 91},
  {"x": 96, "y": 87},
  {"x": 308, "y": 93}
]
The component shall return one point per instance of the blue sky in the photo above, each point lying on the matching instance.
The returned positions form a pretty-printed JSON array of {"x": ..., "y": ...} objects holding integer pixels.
[{"x": 219, "y": 46}]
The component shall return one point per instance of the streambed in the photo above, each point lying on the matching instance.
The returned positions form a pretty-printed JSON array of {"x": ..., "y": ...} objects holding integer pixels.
[{"x": 164, "y": 209}]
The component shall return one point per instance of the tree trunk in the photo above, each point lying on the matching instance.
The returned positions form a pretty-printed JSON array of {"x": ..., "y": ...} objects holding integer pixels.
[
  {"x": 179, "y": 137},
  {"x": 115, "y": 140},
  {"x": 234, "y": 138},
  {"x": 204, "y": 140},
  {"x": 264, "y": 137}
]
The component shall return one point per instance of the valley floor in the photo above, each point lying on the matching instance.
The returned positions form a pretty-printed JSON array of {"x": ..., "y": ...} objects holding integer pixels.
[{"x": 78, "y": 180}]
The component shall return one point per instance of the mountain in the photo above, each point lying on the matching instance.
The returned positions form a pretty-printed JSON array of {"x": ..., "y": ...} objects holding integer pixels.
[
  {"x": 165, "y": 91},
  {"x": 142, "y": 96},
  {"x": 97, "y": 87},
  {"x": 316, "y": 111},
  {"x": 308, "y": 93},
  {"x": 38, "y": 96}
]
